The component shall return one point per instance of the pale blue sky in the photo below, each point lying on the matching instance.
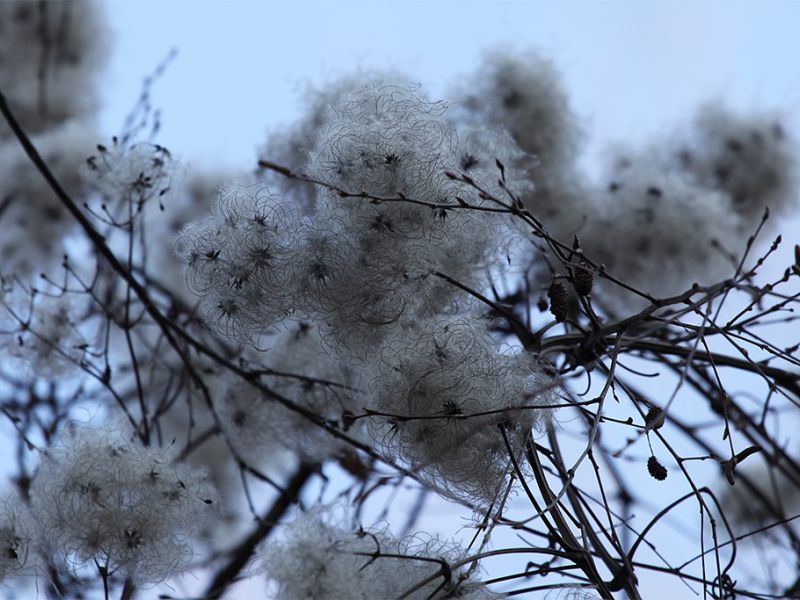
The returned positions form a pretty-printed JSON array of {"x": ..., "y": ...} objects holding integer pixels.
[{"x": 630, "y": 67}]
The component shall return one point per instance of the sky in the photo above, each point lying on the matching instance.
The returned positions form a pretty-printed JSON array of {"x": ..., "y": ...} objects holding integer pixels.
[{"x": 633, "y": 69}]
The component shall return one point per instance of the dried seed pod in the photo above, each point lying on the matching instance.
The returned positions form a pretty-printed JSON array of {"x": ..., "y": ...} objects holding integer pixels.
[
  {"x": 656, "y": 469},
  {"x": 654, "y": 418},
  {"x": 583, "y": 279},
  {"x": 348, "y": 419},
  {"x": 559, "y": 300}
]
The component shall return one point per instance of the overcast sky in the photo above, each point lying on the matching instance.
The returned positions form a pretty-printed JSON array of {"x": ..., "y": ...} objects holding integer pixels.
[{"x": 631, "y": 68}]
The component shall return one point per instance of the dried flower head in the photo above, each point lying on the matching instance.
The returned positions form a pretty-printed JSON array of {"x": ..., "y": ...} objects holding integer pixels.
[
  {"x": 448, "y": 391},
  {"x": 16, "y": 537},
  {"x": 98, "y": 498},
  {"x": 238, "y": 261},
  {"x": 327, "y": 562}
]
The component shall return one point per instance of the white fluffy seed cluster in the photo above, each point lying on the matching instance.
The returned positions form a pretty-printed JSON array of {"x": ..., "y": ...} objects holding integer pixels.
[
  {"x": 364, "y": 273},
  {"x": 131, "y": 509},
  {"x": 193, "y": 194},
  {"x": 34, "y": 223},
  {"x": 388, "y": 141},
  {"x": 750, "y": 158},
  {"x": 451, "y": 394},
  {"x": 292, "y": 145},
  {"x": 239, "y": 261},
  {"x": 327, "y": 562},
  {"x": 655, "y": 246},
  {"x": 41, "y": 331},
  {"x": 16, "y": 538},
  {"x": 132, "y": 173},
  {"x": 385, "y": 139},
  {"x": 50, "y": 56},
  {"x": 658, "y": 216},
  {"x": 670, "y": 215},
  {"x": 356, "y": 265},
  {"x": 306, "y": 374},
  {"x": 522, "y": 94}
]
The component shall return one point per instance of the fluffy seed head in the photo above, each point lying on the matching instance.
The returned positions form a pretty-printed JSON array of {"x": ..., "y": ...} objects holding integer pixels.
[
  {"x": 98, "y": 497},
  {"x": 448, "y": 392},
  {"x": 324, "y": 561},
  {"x": 16, "y": 537},
  {"x": 33, "y": 221},
  {"x": 42, "y": 331},
  {"x": 522, "y": 93},
  {"x": 132, "y": 174},
  {"x": 238, "y": 261},
  {"x": 657, "y": 230},
  {"x": 750, "y": 158},
  {"x": 306, "y": 374},
  {"x": 50, "y": 56}
]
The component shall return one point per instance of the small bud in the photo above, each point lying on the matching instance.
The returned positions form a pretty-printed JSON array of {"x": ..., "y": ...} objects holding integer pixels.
[
  {"x": 348, "y": 419},
  {"x": 583, "y": 280},
  {"x": 656, "y": 469},
  {"x": 654, "y": 418},
  {"x": 502, "y": 168}
]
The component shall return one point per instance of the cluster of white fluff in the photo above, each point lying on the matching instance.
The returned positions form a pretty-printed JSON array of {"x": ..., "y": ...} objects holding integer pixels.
[
  {"x": 34, "y": 223},
  {"x": 50, "y": 56},
  {"x": 657, "y": 214},
  {"x": 322, "y": 133},
  {"x": 41, "y": 331},
  {"x": 521, "y": 93},
  {"x": 193, "y": 194},
  {"x": 238, "y": 261},
  {"x": 362, "y": 271},
  {"x": 187, "y": 426},
  {"x": 450, "y": 391},
  {"x": 669, "y": 214},
  {"x": 16, "y": 538},
  {"x": 97, "y": 498},
  {"x": 389, "y": 141},
  {"x": 327, "y": 386},
  {"x": 129, "y": 174},
  {"x": 328, "y": 562},
  {"x": 305, "y": 373},
  {"x": 480, "y": 150},
  {"x": 357, "y": 265},
  {"x": 184, "y": 419},
  {"x": 654, "y": 245},
  {"x": 134, "y": 187},
  {"x": 750, "y": 158},
  {"x": 385, "y": 139},
  {"x": 292, "y": 145},
  {"x": 177, "y": 413}
]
